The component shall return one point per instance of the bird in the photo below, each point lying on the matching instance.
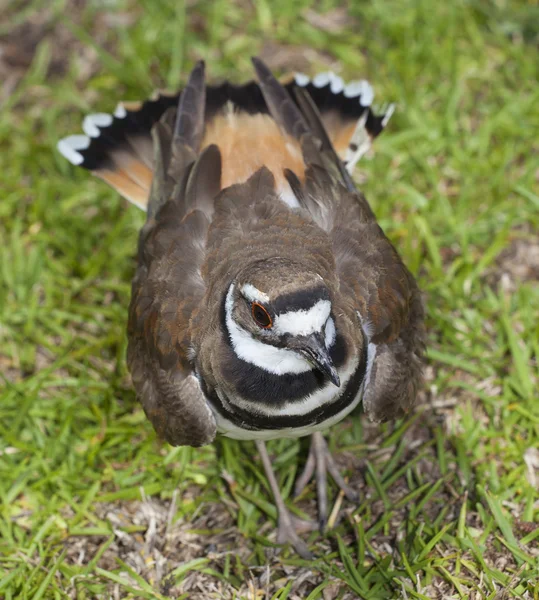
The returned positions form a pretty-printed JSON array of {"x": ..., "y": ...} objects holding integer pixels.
[{"x": 267, "y": 301}]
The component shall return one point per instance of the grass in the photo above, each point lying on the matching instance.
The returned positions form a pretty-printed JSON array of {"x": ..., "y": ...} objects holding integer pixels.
[{"x": 92, "y": 504}]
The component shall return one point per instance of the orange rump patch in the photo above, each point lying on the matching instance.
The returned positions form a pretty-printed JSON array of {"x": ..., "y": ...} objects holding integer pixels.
[
  {"x": 248, "y": 142},
  {"x": 123, "y": 181}
]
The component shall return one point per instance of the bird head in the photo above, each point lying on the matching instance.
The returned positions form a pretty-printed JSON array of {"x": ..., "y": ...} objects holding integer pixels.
[{"x": 276, "y": 303}]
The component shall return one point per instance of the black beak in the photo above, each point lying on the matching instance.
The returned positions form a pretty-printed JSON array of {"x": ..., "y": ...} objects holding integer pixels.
[{"x": 313, "y": 347}]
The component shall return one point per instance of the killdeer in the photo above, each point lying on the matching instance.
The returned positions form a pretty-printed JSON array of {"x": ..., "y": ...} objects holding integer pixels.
[{"x": 267, "y": 301}]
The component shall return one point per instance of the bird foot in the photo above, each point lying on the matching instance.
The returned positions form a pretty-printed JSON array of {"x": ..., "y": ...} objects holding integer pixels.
[
  {"x": 319, "y": 463},
  {"x": 287, "y": 532}
]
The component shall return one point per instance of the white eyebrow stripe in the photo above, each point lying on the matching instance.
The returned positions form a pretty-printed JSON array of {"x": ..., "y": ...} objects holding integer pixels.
[
  {"x": 303, "y": 322},
  {"x": 253, "y": 294}
]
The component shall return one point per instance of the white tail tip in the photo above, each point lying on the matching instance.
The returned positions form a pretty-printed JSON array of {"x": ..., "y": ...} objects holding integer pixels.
[{"x": 69, "y": 148}]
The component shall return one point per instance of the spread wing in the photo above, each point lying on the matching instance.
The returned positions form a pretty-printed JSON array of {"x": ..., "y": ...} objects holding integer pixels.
[
  {"x": 370, "y": 270},
  {"x": 167, "y": 288}
]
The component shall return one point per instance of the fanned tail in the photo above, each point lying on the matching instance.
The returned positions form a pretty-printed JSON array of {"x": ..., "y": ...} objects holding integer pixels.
[{"x": 119, "y": 148}]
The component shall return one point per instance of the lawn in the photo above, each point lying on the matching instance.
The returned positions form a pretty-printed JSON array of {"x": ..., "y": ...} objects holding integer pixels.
[{"x": 93, "y": 505}]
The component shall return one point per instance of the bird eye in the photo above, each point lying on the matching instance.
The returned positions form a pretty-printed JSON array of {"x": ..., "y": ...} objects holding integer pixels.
[{"x": 261, "y": 315}]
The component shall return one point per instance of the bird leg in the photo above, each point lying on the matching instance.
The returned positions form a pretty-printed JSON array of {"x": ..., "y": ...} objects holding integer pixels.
[
  {"x": 288, "y": 525},
  {"x": 320, "y": 459}
]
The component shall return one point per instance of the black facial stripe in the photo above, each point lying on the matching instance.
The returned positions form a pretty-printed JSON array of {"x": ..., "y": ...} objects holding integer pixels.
[
  {"x": 281, "y": 341},
  {"x": 254, "y": 421},
  {"x": 257, "y": 385},
  {"x": 301, "y": 300}
]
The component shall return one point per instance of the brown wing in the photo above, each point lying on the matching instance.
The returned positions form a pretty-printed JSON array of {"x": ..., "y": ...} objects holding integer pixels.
[
  {"x": 166, "y": 290},
  {"x": 389, "y": 307},
  {"x": 385, "y": 293},
  {"x": 369, "y": 268},
  {"x": 168, "y": 287}
]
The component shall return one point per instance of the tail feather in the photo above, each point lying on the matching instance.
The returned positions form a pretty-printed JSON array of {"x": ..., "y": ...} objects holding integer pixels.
[
  {"x": 189, "y": 128},
  {"x": 347, "y": 114},
  {"x": 118, "y": 148},
  {"x": 122, "y": 165},
  {"x": 279, "y": 102}
]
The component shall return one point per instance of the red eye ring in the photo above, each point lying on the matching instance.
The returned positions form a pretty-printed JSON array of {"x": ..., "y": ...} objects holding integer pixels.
[{"x": 261, "y": 316}]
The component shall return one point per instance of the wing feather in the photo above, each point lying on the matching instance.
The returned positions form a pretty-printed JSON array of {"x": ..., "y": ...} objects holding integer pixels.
[
  {"x": 370, "y": 270},
  {"x": 389, "y": 308},
  {"x": 168, "y": 287}
]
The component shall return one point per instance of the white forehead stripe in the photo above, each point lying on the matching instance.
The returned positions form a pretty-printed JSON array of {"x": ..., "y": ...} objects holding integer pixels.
[
  {"x": 253, "y": 294},
  {"x": 278, "y": 361},
  {"x": 303, "y": 322}
]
